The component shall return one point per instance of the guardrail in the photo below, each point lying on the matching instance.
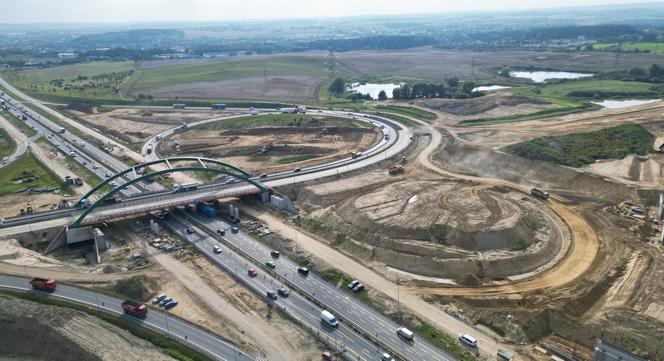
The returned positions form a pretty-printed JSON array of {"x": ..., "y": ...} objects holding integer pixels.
[
  {"x": 332, "y": 343},
  {"x": 110, "y": 312},
  {"x": 302, "y": 291}
]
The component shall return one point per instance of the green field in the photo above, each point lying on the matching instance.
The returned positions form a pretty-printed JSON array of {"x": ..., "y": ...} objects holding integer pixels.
[
  {"x": 30, "y": 171},
  {"x": 585, "y": 148},
  {"x": 654, "y": 48},
  {"x": 408, "y": 111},
  {"x": 572, "y": 93},
  {"x": 225, "y": 69},
  {"x": 99, "y": 80},
  {"x": 7, "y": 144},
  {"x": 547, "y": 113},
  {"x": 283, "y": 120}
]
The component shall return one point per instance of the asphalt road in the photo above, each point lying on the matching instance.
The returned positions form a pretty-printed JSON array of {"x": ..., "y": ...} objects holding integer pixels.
[
  {"x": 337, "y": 300},
  {"x": 214, "y": 346}
]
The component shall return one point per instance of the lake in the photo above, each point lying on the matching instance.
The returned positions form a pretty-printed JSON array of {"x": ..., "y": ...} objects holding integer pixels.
[
  {"x": 617, "y": 104},
  {"x": 488, "y": 88},
  {"x": 374, "y": 88},
  {"x": 542, "y": 76}
]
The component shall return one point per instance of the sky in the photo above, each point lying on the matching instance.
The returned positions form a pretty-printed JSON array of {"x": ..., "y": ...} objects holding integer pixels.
[{"x": 36, "y": 11}]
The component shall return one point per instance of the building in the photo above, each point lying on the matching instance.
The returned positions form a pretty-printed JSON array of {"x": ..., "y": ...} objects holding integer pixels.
[{"x": 605, "y": 352}]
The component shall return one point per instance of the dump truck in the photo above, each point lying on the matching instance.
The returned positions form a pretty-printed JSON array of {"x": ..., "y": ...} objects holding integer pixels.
[
  {"x": 136, "y": 309},
  {"x": 43, "y": 284},
  {"x": 206, "y": 209}
]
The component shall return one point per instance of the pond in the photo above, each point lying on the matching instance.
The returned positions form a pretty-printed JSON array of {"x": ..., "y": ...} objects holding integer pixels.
[
  {"x": 542, "y": 76},
  {"x": 374, "y": 88},
  {"x": 618, "y": 104},
  {"x": 488, "y": 88}
]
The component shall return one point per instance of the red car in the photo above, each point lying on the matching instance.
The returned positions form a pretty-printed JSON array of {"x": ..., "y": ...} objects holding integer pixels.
[{"x": 252, "y": 272}]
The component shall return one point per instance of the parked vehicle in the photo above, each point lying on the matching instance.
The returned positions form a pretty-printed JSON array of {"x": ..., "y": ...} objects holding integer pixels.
[
  {"x": 165, "y": 301},
  {"x": 171, "y": 304},
  {"x": 135, "y": 308},
  {"x": 158, "y": 298},
  {"x": 274, "y": 254},
  {"x": 405, "y": 333},
  {"x": 252, "y": 272},
  {"x": 271, "y": 264},
  {"x": 329, "y": 318},
  {"x": 43, "y": 284},
  {"x": 272, "y": 295},
  {"x": 358, "y": 288},
  {"x": 303, "y": 271},
  {"x": 283, "y": 292},
  {"x": 353, "y": 284},
  {"x": 539, "y": 193},
  {"x": 468, "y": 339}
]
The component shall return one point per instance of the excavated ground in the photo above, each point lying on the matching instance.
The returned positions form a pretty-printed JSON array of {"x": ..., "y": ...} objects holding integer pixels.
[{"x": 438, "y": 228}]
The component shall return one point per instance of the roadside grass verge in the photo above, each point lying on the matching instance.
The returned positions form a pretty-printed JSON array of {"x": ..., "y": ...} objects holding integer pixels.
[
  {"x": 22, "y": 127},
  {"x": 27, "y": 173},
  {"x": 169, "y": 346},
  {"x": 282, "y": 120},
  {"x": 578, "y": 149},
  {"x": 399, "y": 119},
  {"x": 409, "y": 111},
  {"x": 7, "y": 144}
]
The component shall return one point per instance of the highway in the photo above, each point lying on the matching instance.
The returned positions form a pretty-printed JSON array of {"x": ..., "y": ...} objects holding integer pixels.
[
  {"x": 336, "y": 300},
  {"x": 156, "y": 320}
]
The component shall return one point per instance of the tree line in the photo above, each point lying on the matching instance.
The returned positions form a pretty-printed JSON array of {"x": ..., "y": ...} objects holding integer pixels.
[{"x": 452, "y": 88}]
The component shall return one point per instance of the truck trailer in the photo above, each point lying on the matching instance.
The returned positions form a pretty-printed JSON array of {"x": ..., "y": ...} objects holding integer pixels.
[
  {"x": 218, "y": 106},
  {"x": 185, "y": 187},
  {"x": 179, "y": 106},
  {"x": 43, "y": 284},
  {"x": 135, "y": 308},
  {"x": 206, "y": 209}
]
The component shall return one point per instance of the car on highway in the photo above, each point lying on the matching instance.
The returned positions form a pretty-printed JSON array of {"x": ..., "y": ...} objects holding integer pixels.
[
  {"x": 189, "y": 230},
  {"x": 221, "y": 232},
  {"x": 405, "y": 333},
  {"x": 272, "y": 295},
  {"x": 107, "y": 175},
  {"x": 216, "y": 249},
  {"x": 274, "y": 254},
  {"x": 114, "y": 184},
  {"x": 158, "y": 298},
  {"x": 283, "y": 292},
  {"x": 468, "y": 339},
  {"x": 94, "y": 166},
  {"x": 303, "y": 271},
  {"x": 327, "y": 356},
  {"x": 166, "y": 300},
  {"x": 297, "y": 170},
  {"x": 386, "y": 357},
  {"x": 252, "y": 272},
  {"x": 271, "y": 264},
  {"x": 264, "y": 175},
  {"x": 235, "y": 229}
]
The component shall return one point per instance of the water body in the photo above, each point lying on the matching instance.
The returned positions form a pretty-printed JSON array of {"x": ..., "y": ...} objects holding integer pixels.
[
  {"x": 542, "y": 76},
  {"x": 488, "y": 88},
  {"x": 374, "y": 88},
  {"x": 618, "y": 104}
]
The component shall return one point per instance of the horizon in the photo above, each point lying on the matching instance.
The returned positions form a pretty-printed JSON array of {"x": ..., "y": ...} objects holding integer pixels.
[{"x": 198, "y": 10}]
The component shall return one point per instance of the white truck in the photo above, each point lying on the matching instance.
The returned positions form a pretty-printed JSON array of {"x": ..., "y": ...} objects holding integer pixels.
[{"x": 329, "y": 318}]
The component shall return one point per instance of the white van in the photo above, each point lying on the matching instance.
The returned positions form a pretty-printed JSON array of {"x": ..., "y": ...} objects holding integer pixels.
[
  {"x": 329, "y": 318},
  {"x": 405, "y": 333},
  {"x": 468, "y": 339}
]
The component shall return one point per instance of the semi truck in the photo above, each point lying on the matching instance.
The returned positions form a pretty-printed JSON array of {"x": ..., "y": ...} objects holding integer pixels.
[
  {"x": 185, "y": 187},
  {"x": 218, "y": 106},
  {"x": 206, "y": 209},
  {"x": 536, "y": 192},
  {"x": 43, "y": 284},
  {"x": 135, "y": 308},
  {"x": 179, "y": 106}
]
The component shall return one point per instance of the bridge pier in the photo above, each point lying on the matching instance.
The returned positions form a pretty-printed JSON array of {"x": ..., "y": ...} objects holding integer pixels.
[{"x": 265, "y": 196}]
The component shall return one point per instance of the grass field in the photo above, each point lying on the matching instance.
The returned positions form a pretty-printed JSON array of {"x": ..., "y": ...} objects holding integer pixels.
[
  {"x": 408, "y": 111},
  {"x": 226, "y": 69},
  {"x": 585, "y": 148},
  {"x": 98, "y": 80},
  {"x": 29, "y": 132},
  {"x": 30, "y": 171},
  {"x": 531, "y": 116},
  {"x": 602, "y": 87},
  {"x": 654, "y": 48},
  {"x": 282, "y": 120},
  {"x": 7, "y": 144}
]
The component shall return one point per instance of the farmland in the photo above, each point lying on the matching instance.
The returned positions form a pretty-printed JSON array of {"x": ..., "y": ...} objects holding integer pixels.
[{"x": 652, "y": 48}]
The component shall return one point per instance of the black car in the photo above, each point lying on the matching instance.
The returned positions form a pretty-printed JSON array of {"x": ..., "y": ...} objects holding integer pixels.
[
  {"x": 303, "y": 271},
  {"x": 272, "y": 295},
  {"x": 274, "y": 254},
  {"x": 271, "y": 264},
  {"x": 263, "y": 175},
  {"x": 283, "y": 291},
  {"x": 358, "y": 288},
  {"x": 221, "y": 232},
  {"x": 190, "y": 230}
]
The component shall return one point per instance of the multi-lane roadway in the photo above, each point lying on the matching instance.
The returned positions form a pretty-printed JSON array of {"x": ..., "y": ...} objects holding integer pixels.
[{"x": 157, "y": 320}]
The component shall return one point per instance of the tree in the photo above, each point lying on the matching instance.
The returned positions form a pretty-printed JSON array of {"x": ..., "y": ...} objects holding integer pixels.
[
  {"x": 452, "y": 82},
  {"x": 468, "y": 87},
  {"x": 382, "y": 95},
  {"x": 338, "y": 86},
  {"x": 656, "y": 71},
  {"x": 637, "y": 72}
]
